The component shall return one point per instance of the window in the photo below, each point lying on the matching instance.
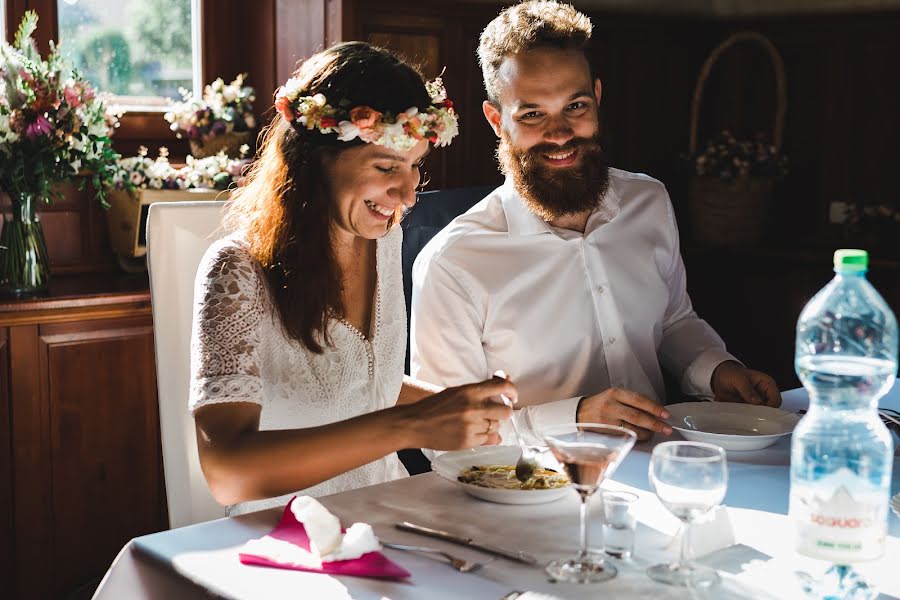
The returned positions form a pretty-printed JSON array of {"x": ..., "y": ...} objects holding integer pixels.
[{"x": 140, "y": 51}]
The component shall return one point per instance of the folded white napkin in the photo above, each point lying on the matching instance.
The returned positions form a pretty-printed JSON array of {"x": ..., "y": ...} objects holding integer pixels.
[
  {"x": 326, "y": 542},
  {"x": 708, "y": 535}
]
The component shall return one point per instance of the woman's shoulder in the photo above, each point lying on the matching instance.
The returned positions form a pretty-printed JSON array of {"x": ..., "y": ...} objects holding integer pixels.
[
  {"x": 226, "y": 254},
  {"x": 230, "y": 267}
]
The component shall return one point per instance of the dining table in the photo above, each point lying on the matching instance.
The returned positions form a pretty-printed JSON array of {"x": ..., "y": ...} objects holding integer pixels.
[{"x": 750, "y": 541}]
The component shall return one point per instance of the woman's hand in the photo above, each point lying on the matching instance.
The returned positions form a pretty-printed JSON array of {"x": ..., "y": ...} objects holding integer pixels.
[{"x": 459, "y": 417}]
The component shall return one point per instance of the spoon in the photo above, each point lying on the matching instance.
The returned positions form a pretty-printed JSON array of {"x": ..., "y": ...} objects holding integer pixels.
[{"x": 528, "y": 459}]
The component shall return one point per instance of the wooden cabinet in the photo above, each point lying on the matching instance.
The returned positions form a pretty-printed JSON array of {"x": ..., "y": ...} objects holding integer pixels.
[{"x": 82, "y": 467}]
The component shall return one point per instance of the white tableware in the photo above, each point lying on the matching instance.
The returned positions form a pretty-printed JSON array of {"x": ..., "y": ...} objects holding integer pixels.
[
  {"x": 450, "y": 464},
  {"x": 895, "y": 504},
  {"x": 730, "y": 425}
]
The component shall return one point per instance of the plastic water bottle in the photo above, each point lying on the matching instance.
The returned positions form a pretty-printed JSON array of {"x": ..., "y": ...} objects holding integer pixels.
[{"x": 841, "y": 453}]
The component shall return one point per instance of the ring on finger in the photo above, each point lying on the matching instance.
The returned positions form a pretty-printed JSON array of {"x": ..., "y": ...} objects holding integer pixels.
[{"x": 490, "y": 427}]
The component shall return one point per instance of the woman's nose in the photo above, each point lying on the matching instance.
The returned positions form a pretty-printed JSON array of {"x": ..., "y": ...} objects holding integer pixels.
[{"x": 405, "y": 189}]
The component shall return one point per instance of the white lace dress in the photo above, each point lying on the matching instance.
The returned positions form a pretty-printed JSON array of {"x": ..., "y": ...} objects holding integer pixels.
[{"x": 240, "y": 354}]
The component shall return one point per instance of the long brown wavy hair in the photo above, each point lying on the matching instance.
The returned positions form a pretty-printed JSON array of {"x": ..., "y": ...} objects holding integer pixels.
[{"x": 285, "y": 207}]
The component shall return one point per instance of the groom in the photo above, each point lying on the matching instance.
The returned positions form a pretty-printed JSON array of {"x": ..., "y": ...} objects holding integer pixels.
[{"x": 568, "y": 276}]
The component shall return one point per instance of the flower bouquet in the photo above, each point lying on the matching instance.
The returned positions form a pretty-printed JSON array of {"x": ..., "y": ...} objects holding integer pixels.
[
  {"x": 731, "y": 184},
  {"x": 221, "y": 120},
  {"x": 142, "y": 180},
  {"x": 731, "y": 159},
  {"x": 53, "y": 127}
]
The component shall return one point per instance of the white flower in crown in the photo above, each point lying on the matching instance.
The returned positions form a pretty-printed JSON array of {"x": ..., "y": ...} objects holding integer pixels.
[{"x": 436, "y": 90}]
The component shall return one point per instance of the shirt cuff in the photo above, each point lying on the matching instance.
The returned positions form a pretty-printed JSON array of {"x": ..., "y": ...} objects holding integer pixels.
[
  {"x": 697, "y": 379},
  {"x": 531, "y": 420}
]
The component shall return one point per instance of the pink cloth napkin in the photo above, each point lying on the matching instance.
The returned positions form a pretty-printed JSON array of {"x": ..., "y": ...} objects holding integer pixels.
[{"x": 372, "y": 564}]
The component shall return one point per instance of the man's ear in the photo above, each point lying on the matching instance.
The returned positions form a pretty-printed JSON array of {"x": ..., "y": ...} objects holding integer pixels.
[
  {"x": 598, "y": 88},
  {"x": 492, "y": 114}
]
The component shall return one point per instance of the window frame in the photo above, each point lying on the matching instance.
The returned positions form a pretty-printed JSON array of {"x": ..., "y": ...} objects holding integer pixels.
[{"x": 136, "y": 127}]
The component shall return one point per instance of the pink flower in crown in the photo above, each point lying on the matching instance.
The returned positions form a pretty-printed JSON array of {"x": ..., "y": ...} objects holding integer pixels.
[
  {"x": 40, "y": 126},
  {"x": 283, "y": 105},
  {"x": 364, "y": 117}
]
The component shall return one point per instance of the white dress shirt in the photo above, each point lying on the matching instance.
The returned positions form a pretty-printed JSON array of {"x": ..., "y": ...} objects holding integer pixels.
[{"x": 565, "y": 314}]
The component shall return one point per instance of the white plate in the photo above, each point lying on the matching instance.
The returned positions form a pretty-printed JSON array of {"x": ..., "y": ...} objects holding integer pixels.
[
  {"x": 450, "y": 464},
  {"x": 895, "y": 504},
  {"x": 732, "y": 426}
]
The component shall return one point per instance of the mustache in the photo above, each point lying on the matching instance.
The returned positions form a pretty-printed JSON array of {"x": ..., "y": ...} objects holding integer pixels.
[{"x": 569, "y": 146}]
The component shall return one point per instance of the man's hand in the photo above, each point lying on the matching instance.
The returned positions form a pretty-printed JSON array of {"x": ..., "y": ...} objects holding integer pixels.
[
  {"x": 733, "y": 382},
  {"x": 627, "y": 409}
]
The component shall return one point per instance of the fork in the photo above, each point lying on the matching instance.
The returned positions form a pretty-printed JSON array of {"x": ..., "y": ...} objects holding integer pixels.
[
  {"x": 463, "y": 566},
  {"x": 527, "y": 462}
]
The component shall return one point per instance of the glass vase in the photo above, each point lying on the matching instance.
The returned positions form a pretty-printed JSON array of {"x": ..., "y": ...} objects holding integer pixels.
[{"x": 24, "y": 264}]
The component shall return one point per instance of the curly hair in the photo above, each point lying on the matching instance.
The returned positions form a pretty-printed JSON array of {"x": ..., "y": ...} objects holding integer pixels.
[
  {"x": 527, "y": 26},
  {"x": 285, "y": 209}
]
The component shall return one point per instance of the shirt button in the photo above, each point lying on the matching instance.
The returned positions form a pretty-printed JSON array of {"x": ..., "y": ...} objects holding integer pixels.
[
  {"x": 612, "y": 340},
  {"x": 599, "y": 289}
]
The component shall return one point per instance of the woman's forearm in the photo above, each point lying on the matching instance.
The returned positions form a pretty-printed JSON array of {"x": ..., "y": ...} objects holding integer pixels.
[{"x": 264, "y": 464}]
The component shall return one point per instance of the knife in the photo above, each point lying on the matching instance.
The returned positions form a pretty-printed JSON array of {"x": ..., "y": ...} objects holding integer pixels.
[{"x": 516, "y": 555}]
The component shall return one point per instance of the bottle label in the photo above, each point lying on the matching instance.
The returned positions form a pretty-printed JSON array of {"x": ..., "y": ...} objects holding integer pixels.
[{"x": 836, "y": 525}]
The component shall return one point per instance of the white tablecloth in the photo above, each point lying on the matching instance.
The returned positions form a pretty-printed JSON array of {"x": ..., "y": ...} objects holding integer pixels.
[{"x": 179, "y": 563}]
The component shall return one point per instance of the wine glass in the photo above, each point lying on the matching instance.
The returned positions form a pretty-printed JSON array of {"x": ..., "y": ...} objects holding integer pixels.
[
  {"x": 588, "y": 452},
  {"x": 690, "y": 479}
]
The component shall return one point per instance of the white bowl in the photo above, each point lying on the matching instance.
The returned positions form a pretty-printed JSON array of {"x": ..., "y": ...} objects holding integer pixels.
[
  {"x": 450, "y": 464},
  {"x": 732, "y": 426}
]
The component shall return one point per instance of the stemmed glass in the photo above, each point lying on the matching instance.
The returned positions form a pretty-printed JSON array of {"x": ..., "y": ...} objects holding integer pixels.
[
  {"x": 690, "y": 479},
  {"x": 588, "y": 452}
]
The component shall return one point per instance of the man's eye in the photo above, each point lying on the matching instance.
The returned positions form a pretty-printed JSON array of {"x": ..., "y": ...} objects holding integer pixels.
[
  {"x": 530, "y": 116},
  {"x": 578, "y": 105},
  {"x": 385, "y": 169}
]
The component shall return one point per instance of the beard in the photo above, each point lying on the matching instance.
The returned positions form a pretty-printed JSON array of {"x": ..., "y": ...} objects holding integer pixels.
[{"x": 554, "y": 192}]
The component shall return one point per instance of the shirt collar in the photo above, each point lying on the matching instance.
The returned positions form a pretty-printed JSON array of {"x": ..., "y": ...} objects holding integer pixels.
[{"x": 522, "y": 222}]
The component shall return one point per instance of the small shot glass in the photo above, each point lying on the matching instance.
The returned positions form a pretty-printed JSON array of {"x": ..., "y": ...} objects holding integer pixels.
[{"x": 619, "y": 523}]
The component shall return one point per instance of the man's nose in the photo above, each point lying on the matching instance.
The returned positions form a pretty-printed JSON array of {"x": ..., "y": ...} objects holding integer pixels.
[{"x": 558, "y": 131}]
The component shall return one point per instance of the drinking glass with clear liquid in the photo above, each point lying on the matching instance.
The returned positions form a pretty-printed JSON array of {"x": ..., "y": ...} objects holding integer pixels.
[
  {"x": 588, "y": 452},
  {"x": 619, "y": 523},
  {"x": 690, "y": 479}
]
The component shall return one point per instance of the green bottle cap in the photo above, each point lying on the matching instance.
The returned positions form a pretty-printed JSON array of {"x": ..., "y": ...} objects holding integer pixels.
[{"x": 851, "y": 261}]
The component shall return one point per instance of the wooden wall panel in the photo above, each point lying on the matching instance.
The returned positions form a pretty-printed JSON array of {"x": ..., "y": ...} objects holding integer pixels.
[
  {"x": 31, "y": 465},
  {"x": 104, "y": 442},
  {"x": 6, "y": 482}
]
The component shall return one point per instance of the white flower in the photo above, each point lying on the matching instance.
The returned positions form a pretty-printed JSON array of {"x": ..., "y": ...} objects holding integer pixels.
[
  {"x": 135, "y": 178},
  {"x": 346, "y": 131}
]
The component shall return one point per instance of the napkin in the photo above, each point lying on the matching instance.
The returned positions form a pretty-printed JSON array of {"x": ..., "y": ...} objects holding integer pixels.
[
  {"x": 708, "y": 535},
  {"x": 317, "y": 544}
]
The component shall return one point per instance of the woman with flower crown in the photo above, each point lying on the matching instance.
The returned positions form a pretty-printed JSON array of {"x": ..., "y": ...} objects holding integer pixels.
[{"x": 299, "y": 332}]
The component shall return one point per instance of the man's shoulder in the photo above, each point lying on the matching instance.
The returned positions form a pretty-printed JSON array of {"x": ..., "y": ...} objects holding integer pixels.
[
  {"x": 476, "y": 227},
  {"x": 627, "y": 181}
]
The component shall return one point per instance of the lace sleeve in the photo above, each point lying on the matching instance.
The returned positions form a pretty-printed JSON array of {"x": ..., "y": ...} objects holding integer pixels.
[{"x": 225, "y": 336}]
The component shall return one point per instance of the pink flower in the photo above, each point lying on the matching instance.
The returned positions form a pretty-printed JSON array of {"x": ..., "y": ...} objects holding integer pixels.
[
  {"x": 40, "y": 126},
  {"x": 364, "y": 117},
  {"x": 72, "y": 97},
  {"x": 283, "y": 105}
]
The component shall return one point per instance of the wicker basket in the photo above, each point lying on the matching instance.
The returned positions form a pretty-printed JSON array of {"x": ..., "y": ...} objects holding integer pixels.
[
  {"x": 736, "y": 212},
  {"x": 229, "y": 142}
]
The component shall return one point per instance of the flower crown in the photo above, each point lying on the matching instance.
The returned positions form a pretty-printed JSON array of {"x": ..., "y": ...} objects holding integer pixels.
[{"x": 438, "y": 123}]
